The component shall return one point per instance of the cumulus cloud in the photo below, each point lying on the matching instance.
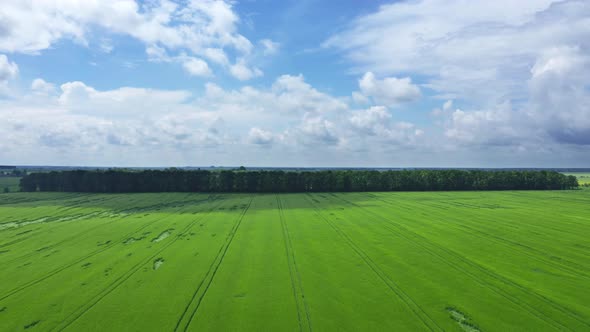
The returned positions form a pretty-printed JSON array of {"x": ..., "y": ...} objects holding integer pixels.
[
  {"x": 40, "y": 86},
  {"x": 216, "y": 55},
  {"x": 205, "y": 29},
  {"x": 389, "y": 91},
  {"x": 123, "y": 102},
  {"x": 316, "y": 129},
  {"x": 106, "y": 45},
  {"x": 371, "y": 119},
  {"x": 81, "y": 121},
  {"x": 196, "y": 67},
  {"x": 559, "y": 95},
  {"x": 556, "y": 110},
  {"x": 8, "y": 69},
  {"x": 242, "y": 72},
  {"x": 479, "y": 52},
  {"x": 269, "y": 47},
  {"x": 377, "y": 122},
  {"x": 522, "y": 71},
  {"x": 260, "y": 136}
]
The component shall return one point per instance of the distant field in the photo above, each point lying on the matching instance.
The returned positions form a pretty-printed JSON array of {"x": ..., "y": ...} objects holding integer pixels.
[
  {"x": 12, "y": 183},
  {"x": 452, "y": 261},
  {"x": 583, "y": 178}
]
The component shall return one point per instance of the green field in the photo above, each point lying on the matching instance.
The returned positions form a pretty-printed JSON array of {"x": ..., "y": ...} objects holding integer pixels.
[
  {"x": 583, "y": 178},
  {"x": 12, "y": 183},
  {"x": 453, "y": 261}
]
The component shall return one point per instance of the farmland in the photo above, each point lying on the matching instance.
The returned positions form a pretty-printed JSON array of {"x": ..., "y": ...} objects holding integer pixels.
[
  {"x": 417, "y": 261},
  {"x": 583, "y": 177},
  {"x": 10, "y": 183}
]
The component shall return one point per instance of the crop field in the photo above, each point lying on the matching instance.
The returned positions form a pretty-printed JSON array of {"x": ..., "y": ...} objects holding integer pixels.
[
  {"x": 424, "y": 261},
  {"x": 10, "y": 183},
  {"x": 583, "y": 178}
]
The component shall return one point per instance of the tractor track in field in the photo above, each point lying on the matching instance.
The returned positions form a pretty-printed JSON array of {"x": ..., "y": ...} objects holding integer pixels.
[
  {"x": 57, "y": 244},
  {"x": 521, "y": 210},
  {"x": 298, "y": 293},
  {"x": 519, "y": 246},
  {"x": 23, "y": 201},
  {"x": 74, "y": 316},
  {"x": 421, "y": 241},
  {"x": 198, "y": 296},
  {"x": 77, "y": 261},
  {"x": 110, "y": 221},
  {"x": 405, "y": 298}
]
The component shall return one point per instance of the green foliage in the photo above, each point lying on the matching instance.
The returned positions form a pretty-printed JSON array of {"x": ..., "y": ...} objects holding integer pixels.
[
  {"x": 412, "y": 261},
  {"x": 177, "y": 180},
  {"x": 582, "y": 177},
  {"x": 10, "y": 183}
]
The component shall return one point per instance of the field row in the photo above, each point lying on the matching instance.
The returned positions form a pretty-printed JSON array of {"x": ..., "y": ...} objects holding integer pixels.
[{"x": 472, "y": 261}]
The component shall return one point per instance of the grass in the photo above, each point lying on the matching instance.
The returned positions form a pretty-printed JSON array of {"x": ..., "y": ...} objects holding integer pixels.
[
  {"x": 12, "y": 183},
  {"x": 583, "y": 178},
  {"x": 453, "y": 261}
]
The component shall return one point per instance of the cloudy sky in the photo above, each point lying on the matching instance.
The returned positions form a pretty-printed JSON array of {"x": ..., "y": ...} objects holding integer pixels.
[{"x": 447, "y": 83}]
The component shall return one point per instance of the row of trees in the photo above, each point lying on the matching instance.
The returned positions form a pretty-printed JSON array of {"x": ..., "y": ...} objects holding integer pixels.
[{"x": 177, "y": 180}]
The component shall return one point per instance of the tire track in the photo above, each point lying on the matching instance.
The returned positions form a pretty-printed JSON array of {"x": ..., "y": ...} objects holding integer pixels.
[
  {"x": 423, "y": 242},
  {"x": 523, "y": 248},
  {"x": 304, "y": 321},
  {"x": 110, "y": 221},
  {"x": 198, "y": 296},
  {"x": 28, "y": 200},
  {"x": 77, "y": 261},
  {"x": 406, "y": 299},
  {"x": 74, "y": 316}
]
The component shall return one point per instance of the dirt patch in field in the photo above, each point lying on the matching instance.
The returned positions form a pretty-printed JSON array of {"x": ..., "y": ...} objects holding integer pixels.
[
  {"x": 158, "y": 263},
  {"x": 163, "y": 235},
  {"x": 135, "y": 239},
  {"x": 19, "y": 224},
  {"x": 32, "y": 324},
  {"x": 463, "y": 320}
]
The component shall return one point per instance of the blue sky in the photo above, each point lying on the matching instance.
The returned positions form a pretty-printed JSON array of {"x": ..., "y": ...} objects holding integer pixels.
[{"x": 426, "y": 83}]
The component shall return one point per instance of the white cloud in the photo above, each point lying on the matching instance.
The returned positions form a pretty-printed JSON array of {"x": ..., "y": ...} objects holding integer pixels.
[
  {"x": 242, "y": 72},
  {"x": 370, "y": 119},
  {"x": 556, "y": 110},
  {"x": 389, "y": 91},
  {"x": 315, "y": 130},
  {"x": 559, "y": 95},
  {"x": 106, "y": 45},
  {"x": 196, "y": 67},
  {"x": 478, "y": 51},
  {"x": 523, "y": 68},
  {"x": 156, "y": 53},
  {"x": 8, "y": 70},
  {"x": 259, "y": 136},
  {"x": 300, "y": 125},
  {"x": 84, "y": 122},
  {"x": 42, "y": 87},
  {"x": 119, "y": 103},
  {"x": 270, "y": 47},
  {"x": 447, "y": 105},
  {"x": 359, "y": 98},
  {"x": 204, "y": 28},
  {"x": 216, "y": 55},
  {"x": 377, "y": 122}
]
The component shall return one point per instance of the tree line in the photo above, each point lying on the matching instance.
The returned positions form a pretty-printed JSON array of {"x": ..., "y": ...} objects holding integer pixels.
[{"x": 178, "y": 180}]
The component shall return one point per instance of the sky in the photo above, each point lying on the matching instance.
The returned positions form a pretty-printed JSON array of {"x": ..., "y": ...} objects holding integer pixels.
[{"x": 295, "y": 83}]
